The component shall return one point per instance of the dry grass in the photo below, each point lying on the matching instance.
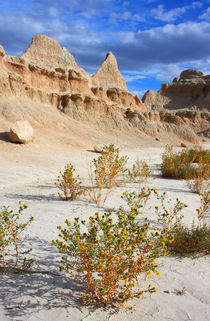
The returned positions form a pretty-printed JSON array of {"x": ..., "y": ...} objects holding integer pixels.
[{"x": 192, "y": 165}]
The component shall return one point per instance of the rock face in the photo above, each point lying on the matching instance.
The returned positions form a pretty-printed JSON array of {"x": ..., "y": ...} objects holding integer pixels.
[
  {"x": 21, "y": 132},
  {"x": 47, "y": 73},
  {"x": 46, "y": 79},
  {"x": 190, "y": 90},
  {"x": 108, "y": 75}
]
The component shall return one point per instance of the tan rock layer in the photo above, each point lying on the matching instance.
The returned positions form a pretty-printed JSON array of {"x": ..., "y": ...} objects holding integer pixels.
[
  {"x": 190, "y": 90},
  {"x": 45, "y": 72}
]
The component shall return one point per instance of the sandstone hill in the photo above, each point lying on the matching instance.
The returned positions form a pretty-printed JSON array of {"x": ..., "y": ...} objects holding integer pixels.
[
  {"x": 47, "y": 87},
  {"x": 191, "y": 90}
]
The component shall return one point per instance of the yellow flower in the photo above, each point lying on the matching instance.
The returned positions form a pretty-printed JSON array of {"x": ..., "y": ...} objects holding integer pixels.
[
  {"x": 165, "y": 254},
  {"x": 155, "y": 191},
  {"x": 82, "y": 248},
  {"x": 110, "y": 234},
  {"x": 124, "y": 231},
  {"x": 126, "y": 280},
  {"x": 149, "y": 272},
  {"x": 116, "y": 257},
  {"x": 122, "y": 305},
  {"x": 158, "y": 273},
  {"x": 152, "y": 233}
]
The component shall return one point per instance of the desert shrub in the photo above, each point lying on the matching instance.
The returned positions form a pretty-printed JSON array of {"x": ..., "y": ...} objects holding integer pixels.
[
  {"x": 108, "y": 252},
  {"x": 97, "y": 193},
  {"x": 11, "y": 236},
  {"x": 204, "y": 207},
  {"x": 191, "y": 240},
  {"x": 187, "y": 164},
  {"x": 69, "y": 184},
  {"x": 108, "y": 167},
  {"x": 194, "y": 239},
  {"x": 140, "y": 172},
  {"x": 104, "y": 172}
]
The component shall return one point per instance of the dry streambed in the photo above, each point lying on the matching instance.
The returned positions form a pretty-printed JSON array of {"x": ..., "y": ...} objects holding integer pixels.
[{"x": 182, "y": 288}]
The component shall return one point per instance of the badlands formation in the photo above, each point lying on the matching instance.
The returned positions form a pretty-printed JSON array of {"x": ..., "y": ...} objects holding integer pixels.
[
  {"x": 70, "y": 112},
  {"x": 46, "y": 81}
]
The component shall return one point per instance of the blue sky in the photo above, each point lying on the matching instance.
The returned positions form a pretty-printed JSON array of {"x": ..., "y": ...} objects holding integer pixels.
[{"x": 152, "y": 40}]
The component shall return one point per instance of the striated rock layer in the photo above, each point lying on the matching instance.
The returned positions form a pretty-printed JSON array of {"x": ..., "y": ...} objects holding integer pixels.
[
  {"x": 46, "y": 72},
  {"x": 190, "y": 90},
  {"x": 48, "y": 77}
]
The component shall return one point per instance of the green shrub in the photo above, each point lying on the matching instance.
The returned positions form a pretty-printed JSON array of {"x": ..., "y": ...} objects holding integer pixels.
[
  {"x": 140, "y": 172},
  {"x": 108, "y": 252},
  {"x": 104, "y": 172},
  {"x": 108, "y": 167},
  {"x": 70, "y": 185},
  {"x": 192, "y": 240},
  {"x": 11, "y": 239}
]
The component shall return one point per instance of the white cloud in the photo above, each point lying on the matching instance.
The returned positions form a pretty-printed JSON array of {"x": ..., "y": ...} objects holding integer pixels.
[
  {"x": 205, "y": 15},
  {"x": 132, "y": 77},
  {"x": 139, "y": 93},
  {"x": 160, "y": 13}
]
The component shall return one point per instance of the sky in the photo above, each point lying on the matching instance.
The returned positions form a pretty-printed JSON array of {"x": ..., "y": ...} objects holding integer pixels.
[{"x": 152, "y": 40}]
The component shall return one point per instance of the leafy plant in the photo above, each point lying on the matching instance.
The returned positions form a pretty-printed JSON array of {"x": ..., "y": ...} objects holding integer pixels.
[
  {"x": 191, "y": 240},
  {"x": 140, "y": 172},
  {"x": 11, "y": 231},
  {"x": 70, "y": 185},
  {"x": 109, "y": 251},
  {"x": 96, "y": 193},
  {"x": 204, "y": 208},
  {"x": 108, "y": 167}
]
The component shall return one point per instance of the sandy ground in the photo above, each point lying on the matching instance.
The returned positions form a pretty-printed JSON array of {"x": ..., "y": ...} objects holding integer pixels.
[{"x": 28, "y": 173}]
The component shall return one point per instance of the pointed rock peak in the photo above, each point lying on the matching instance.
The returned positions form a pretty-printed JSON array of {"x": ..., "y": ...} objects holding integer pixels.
[
  {"x": 110, "y": 56},
  {"x": 45, "y": 51},
  {"x": 108, "y": 74},
  {"x": 2, "y": 52}
]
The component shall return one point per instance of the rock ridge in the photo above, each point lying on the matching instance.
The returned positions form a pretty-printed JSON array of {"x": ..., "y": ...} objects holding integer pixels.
[{"x": 189, "y": 91}]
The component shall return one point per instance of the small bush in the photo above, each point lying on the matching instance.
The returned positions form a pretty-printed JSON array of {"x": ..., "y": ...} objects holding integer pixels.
[
  {"x": 181, "y": 165},
  {"x": 140, "y": 172},
  {"x": 109, "y": 251},
  {"x": 191, "y": 240},
  {"x": 11, "y": 239},
  {"x": 96, "y": 193},
  {"x": 204, "y": 208},
  {"x": 108, "y": 167},
  {"x": 70, "y": 185}
]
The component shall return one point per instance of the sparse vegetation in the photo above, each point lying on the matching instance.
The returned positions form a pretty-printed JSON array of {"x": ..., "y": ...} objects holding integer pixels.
[
  {"x": 109, "y": 166},
  {"x": 103, "y": 173},
  {"x": 109, "y": 251},
  {"x": 11, "y": 237},
  {"x": 187, "y": 164},
  {"x": 194, "y": 239},
  {"x": 191, "y": 240},
  {"x": 69, "y": 184},
  {"x": 140, "y": 172}
]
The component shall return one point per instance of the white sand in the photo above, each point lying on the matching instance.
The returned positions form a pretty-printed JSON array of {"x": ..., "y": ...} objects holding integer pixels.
[{"x": 56, "y": 296}]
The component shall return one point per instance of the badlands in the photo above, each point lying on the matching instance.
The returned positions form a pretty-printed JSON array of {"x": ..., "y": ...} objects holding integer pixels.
[{"x": 70, "y": 113}]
